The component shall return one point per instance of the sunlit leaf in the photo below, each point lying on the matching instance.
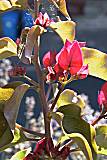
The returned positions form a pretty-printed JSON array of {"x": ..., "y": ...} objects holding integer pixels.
[
  {"x": 4, "y": 5},
  {"x": 97, "y": 62},
  {"x": 21, "y": 154},
  {"x": 73, "y": 123},
  {"x": 80, "y": 141},
  {"x": 21, "y": 45},
  {"x": 8, "y": 48},
  {"x": 6, "y": 93},
  {"x": 20, "y": 3},
  {"x": 61, "y": 6},
  {"x": 13, "y": 4},
  {"x": 18, "y": 138},
  {"x": 12, "y": 105},
  {"x": 65, "y": 29},
  {"x": 57, "y": 116},
  {"x": 70, "y": 97},
  {"x": 6, "y": 135},
  {"x": 101, "y": 139},
  {"x": 31, "y": 40}
]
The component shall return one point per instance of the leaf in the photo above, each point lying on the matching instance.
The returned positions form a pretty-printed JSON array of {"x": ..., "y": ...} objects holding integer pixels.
[
  {"x": 70, "y": 97},
  {"x": 6, "y": 135},
  {"x": 80, "y": 141},
  {"x": 21, "y": 154},
  {"x": 6, "y": 93},
  {"x": 61, "y": 6},
  {"x": 13, "y": 4},
  {"x": 101, "y": 139},
  {"x": 65, "y": 29},
  {"x": 8, "y": 48},
  {"x": 97, "y": 62},
  {"x": 21, "y": 45},
  {"x": 4, "y": 5},
  {"x": 18, "y": 138},
  {"x": 73, "y": 123},
  {"x": 12, "y": 105},
  {"x": 19, "y": 3},
  {"x": 57, "y": 116},
  {"x": 31, "y": 40}
]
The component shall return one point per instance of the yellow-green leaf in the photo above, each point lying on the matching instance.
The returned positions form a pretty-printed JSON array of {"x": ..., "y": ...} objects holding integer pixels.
[
  {"x": 65, "y": 29},
  {"x": 73, "y": 123},
  {"x": 8, "y": 48},
  {"x": 13, "y": 103},
  {"x": 21, "y": 46},
  {"x": 80, "y": 141},
  {"x": 6, "y": 135},
  {"x": 6, "y": 93},
  {"x": 20, "y": 3},
  {"x": 21, "y": 154},
  {"x": 70, "y": 97},
  {"x": 101, "y": 139},
  {"x": 18, "y": 138},
  {"x": 61, "y": 6},
  {"x": 31, "y": 40},
  {"x": 97, "y": 62},
  {"x": 4, "y": 5}
]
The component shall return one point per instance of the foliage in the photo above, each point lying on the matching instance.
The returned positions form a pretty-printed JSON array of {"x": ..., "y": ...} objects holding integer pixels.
[{"x": 74, "y": 61}]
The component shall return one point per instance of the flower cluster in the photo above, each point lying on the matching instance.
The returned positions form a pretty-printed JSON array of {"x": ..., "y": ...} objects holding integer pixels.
[
  {"x": 45, "y": 147},
  {"x": 68, "y": 61},
  {"x": 43, "y": 20}
]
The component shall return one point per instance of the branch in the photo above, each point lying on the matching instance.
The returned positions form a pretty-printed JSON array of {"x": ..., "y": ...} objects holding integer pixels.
[
  {"x": 57, "y": 97},
  {"x": 98, "y": 119},
  {"x": 29, "y": 131}
]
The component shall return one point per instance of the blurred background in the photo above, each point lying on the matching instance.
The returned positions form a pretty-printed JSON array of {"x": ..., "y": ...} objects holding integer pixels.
[{"x": 91, "y": 19}]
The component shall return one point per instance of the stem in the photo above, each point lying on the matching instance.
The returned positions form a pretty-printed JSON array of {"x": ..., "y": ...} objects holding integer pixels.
[
  {"x": 42, "y": 88},
  {"x": 57, "y": 97},
  {"x": 36, "y": 7},
  {"x": 43, "y": 98},
  {"x": 98, "y": 119},
  {"x": 31, "y": 81},
  {"x": 29, "y": 131},
  {"x": 74, "y": 150},
  {"x": 48, "y": 92}
]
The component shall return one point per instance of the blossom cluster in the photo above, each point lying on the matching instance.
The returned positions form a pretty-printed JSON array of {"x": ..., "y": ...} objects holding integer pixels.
[{"x": 69, "y": 61}]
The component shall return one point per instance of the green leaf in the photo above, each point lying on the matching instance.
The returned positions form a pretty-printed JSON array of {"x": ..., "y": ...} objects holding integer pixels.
[
  {"x": 21, "y": 46},
  {"x": 70, "y": 97},
  {"x": 8, "y": 48},
  {"x": 5, "y": 5},
  {"x": 6, "y": 135},
  {"x": 57, "y": 116},
  {"x": 95, "y": 59},
  {"x": 73, "y": 123},
  {"x": 65, "y": 29},
  {"x": 21, "y": 154},
  {"x": 13, "y": 103},
  {"x": 6, "y": 93},
  {"x": 61, "y": 6},
  {"x": 31, "y": 40},
  {"x": 80, "y": 141},
  {"x": 101, "y": 139},
  {"x": 18, "y": 138},
  {"x": 19, "y": 3}
]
